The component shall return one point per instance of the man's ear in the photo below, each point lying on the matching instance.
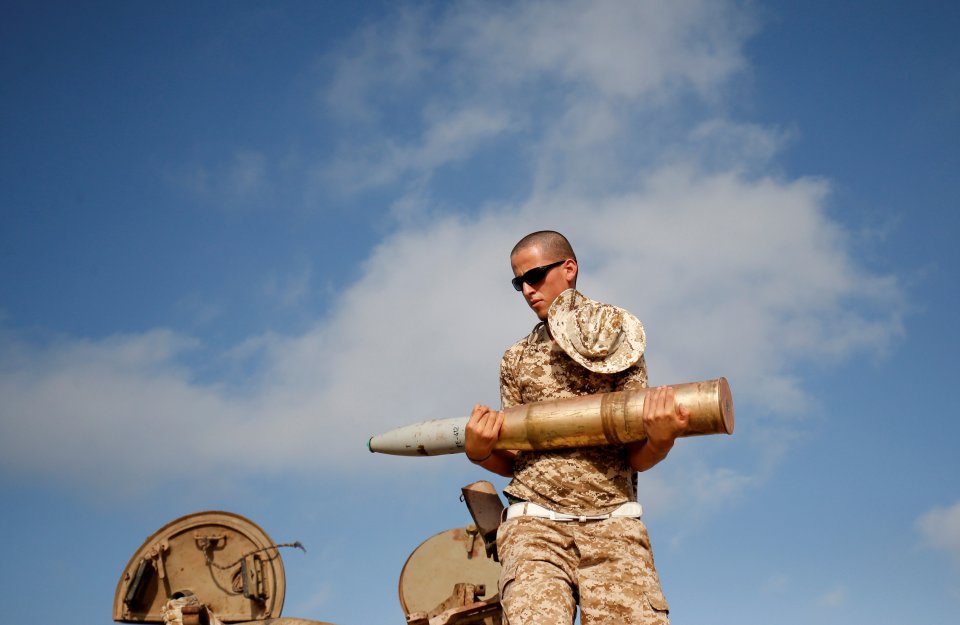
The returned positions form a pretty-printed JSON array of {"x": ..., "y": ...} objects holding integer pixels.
[{"x": 570, "y": 271}]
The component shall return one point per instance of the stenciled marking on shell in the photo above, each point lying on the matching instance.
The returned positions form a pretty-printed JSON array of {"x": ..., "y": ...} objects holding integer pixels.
[{"x": 459, "y": 439}]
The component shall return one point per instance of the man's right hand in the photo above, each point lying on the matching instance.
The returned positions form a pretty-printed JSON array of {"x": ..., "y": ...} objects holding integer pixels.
[{"x": 483, "y": 430}]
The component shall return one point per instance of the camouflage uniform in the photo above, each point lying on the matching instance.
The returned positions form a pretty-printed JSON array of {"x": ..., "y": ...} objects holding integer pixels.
[{"x": 548, "y": 566}]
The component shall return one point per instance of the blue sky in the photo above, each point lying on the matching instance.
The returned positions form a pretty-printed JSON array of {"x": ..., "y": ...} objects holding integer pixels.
[{"x": 239, "y": 238}]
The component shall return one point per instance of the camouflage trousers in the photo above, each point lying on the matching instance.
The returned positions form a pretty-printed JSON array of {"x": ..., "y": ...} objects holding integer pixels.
[{"x": 548, "y": 567}]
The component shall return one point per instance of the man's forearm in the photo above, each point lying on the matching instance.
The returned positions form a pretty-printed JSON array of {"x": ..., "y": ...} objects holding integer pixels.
[
  {"x": 645, "y": 455},
  {"x": 499, "y": 462}
]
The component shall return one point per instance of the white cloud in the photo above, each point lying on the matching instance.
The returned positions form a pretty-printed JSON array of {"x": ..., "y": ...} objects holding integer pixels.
[
  {"x": 246, "y": 173},
  {"x": 776, "y": 584},
  {"x": 239, "y": 180},
  {"x": 447, "y": 138},
  {"x": 382, "y": 59},
  {"x": 571, "y": 73},
  {"x": 940, "y": 529},
  {"x": 615, "y": 48},
  {"x": 835, "y": 597},
  {"x": 289, "y": 290},
  {"x": 734, "y": 272},
  {"x": 731, "y": 277}
]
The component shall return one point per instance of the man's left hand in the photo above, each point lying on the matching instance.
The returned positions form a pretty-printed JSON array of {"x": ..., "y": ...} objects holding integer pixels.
[{"x": 663, "y": 418}]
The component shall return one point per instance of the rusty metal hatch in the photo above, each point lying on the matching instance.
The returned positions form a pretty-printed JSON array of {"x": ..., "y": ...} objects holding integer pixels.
[
  {"x": 432, "y": 572},
  {"x": 223, "y": 559}
]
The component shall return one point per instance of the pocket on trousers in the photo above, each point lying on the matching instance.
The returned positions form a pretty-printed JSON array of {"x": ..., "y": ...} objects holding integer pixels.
[
  {"x": 657, "y": 601},
  {"x": 507, "y": 576},
  {"x": 651, "y": 583},
  {"x": 508, "y": 565}
]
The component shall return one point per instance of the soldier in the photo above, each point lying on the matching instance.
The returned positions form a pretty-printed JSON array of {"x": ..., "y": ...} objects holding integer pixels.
[{"x": 573, "y": 532}]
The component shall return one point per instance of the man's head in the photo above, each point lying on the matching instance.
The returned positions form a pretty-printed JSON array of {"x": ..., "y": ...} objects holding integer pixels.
[{"x": 548, "y": 250}]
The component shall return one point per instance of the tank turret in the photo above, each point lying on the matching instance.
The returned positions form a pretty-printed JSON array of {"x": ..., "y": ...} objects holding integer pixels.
[
  {"x": 203, "y": 569},
  {"x": 213, "y": 568}
]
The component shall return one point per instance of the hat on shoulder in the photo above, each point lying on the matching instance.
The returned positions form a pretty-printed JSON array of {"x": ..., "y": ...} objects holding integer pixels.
[{"x": 601, "y": 337}]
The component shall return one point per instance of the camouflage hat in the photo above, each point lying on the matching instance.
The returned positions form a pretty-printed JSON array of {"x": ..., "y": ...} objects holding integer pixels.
[{"x": 601, "y": 337}]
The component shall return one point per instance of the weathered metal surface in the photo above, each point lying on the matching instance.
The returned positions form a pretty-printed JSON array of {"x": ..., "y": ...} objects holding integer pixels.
[
  {"x": 611, "y": 418},
  {"x": 284, "y": 621},
  {"x": 434, "y": 570},
  {"x": 602, "y": 419},
  {"x": 226, "y": 561},
  {"x": 487, "y": 612},
  {"x": 486, "y": 508}
]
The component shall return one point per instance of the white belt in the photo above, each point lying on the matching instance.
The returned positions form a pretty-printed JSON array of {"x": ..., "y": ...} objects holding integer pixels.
[{"x": 526, "y": 508}]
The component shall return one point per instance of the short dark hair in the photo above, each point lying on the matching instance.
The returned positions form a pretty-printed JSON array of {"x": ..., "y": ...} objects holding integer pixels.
[{"x": 550, "y": 241}]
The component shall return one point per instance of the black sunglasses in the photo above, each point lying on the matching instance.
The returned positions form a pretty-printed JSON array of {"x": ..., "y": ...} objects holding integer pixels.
[{"x": 534, "y": 275}]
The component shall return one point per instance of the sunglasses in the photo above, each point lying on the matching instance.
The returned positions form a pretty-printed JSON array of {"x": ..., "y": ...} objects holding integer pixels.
[{"x": 534, "y": 275}]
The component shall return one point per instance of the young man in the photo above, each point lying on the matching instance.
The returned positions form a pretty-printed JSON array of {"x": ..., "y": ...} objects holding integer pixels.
[{"x": 573, "y": 532}]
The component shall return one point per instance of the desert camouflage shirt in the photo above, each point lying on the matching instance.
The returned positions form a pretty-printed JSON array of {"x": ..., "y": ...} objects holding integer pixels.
[{"x": 587, "y": 480}]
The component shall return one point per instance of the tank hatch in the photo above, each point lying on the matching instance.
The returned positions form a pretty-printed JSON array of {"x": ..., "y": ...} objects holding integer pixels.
[
  {"x": 223, "y": 559},
  {"x": 449, "y": 578}
]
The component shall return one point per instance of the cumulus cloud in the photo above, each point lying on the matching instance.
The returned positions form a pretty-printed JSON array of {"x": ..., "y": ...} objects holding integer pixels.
[
  {"x": 776, "y": 288},
  {"x": 240, "y": 179},
  {"x": 835, "y": 597},
  {"x": 448, "y": 138},
  {"x": 559, "y": 77},
  {"x": 289, "y": 290},
  {"x": 734, "y": 271},
  {"x": 940, "y": 528},
  {"x": 617, "y": 49}
]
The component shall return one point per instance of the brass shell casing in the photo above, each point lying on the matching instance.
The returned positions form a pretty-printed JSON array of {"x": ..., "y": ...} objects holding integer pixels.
[{"x": 611, "y": 418}]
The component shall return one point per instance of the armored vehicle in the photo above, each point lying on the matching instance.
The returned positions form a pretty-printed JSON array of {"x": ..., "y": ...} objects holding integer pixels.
[{"x": 213, "y": 568}]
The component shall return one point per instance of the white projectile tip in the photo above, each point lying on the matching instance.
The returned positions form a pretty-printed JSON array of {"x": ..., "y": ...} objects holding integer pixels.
[{"x": 427, "y": 438}]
